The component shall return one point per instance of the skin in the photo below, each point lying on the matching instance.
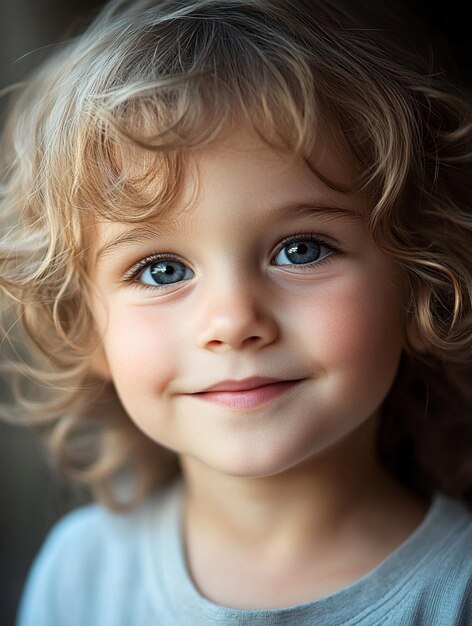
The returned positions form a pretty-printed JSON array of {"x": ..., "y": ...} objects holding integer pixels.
[{"x": 284, "y": 502}]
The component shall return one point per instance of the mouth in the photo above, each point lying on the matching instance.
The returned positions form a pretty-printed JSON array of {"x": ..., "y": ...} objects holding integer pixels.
[{"x": 248, "y": 393}]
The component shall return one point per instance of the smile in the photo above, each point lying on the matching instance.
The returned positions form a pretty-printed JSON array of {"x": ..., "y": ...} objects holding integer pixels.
[{"x": 249, "y": 398}]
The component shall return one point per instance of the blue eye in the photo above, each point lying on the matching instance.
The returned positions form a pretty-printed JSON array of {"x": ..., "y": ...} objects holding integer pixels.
[
  {"x": 164, "y": 272},
  {"x": 301, "y": 252}
]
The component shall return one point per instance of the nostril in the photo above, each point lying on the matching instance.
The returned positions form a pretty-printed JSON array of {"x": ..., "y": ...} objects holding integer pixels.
[
  {"x": 236, "y": 330},
  {"x": 253, "y": 339},
  {"x": 215, "y": 342}
]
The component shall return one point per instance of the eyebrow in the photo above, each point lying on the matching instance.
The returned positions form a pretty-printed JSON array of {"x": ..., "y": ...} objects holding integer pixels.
[
  {"x": 143, "y": 234},
  {"x": 140, "y": 234},
  {"x": 300, "y": 209}
]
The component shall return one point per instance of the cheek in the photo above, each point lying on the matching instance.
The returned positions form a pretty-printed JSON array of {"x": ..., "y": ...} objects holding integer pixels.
[
  {"x": 354, "y": 326},
  {"x": 140, "y": 349}
]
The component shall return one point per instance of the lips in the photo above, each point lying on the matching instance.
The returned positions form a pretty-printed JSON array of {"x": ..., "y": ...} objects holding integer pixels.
[
  {"x": 249, "y": 393},
  {"x": 245, "y": 384}
]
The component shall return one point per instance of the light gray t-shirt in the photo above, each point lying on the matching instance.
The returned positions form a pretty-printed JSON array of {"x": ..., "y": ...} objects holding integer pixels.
[{"x": 102, "y": 569}]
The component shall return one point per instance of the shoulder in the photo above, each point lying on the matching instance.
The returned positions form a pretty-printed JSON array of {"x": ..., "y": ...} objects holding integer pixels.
[
  {"x": 90, "y": 555},
  {"x": 85, "y": 535},
  {"x": 454, "y": 524},
  {"x": 448, "y": 541},
  {"x": 440, "y": 589},
  {"x": 80, "y": 525}
]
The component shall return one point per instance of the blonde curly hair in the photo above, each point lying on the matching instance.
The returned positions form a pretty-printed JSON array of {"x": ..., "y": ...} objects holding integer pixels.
[{"x": 156, "y": 78}]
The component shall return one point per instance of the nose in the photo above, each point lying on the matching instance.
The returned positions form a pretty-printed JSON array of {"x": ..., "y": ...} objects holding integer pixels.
[{"x": 235, "y": 318}]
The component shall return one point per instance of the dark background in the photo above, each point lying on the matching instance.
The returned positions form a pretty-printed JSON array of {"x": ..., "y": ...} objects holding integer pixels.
[{"x": 33, "y": 497}]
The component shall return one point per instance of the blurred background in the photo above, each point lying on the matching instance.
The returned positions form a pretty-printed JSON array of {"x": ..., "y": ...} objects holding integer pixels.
[{"x": 33, "y": 497}]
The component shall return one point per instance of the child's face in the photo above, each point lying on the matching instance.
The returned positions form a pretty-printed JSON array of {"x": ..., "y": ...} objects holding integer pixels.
[{"x": 323, "y": 308}]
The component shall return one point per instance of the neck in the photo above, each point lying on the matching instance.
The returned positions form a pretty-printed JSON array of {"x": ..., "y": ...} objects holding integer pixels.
[
  {"x": 313, "y": 502},
  {"x": 285, "y": 539}
]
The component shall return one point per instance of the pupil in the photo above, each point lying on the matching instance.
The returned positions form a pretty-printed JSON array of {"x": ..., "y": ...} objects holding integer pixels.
[
  {"x": 162, "y": 268},
  {"x": 167, "y": 272},
  {"x": 303, "y": 252}
]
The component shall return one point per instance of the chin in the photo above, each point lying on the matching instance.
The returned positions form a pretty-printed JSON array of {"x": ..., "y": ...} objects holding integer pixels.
[{"x": 256, "y": 463}]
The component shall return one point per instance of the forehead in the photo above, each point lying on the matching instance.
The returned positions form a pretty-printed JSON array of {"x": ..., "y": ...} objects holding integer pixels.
[
  {"x": 233, "y": 151},
  {"x": 240, "y": 170}
]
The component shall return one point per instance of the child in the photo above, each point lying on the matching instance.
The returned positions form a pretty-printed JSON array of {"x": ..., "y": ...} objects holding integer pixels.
[{"x": 236, "y": 236}]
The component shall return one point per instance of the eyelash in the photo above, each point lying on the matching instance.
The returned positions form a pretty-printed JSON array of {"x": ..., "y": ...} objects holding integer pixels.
[
  {"x": 141, "y": 265},
  {"x": 130, "y": 276}
]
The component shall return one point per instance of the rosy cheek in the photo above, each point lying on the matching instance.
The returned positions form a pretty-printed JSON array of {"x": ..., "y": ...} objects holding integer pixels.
[
  {"x": 138, "y": 344},
  {"x": 353, "y": 325}
]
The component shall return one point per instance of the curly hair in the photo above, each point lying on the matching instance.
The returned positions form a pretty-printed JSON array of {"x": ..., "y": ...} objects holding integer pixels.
[{"x": 149, "y": 81}]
